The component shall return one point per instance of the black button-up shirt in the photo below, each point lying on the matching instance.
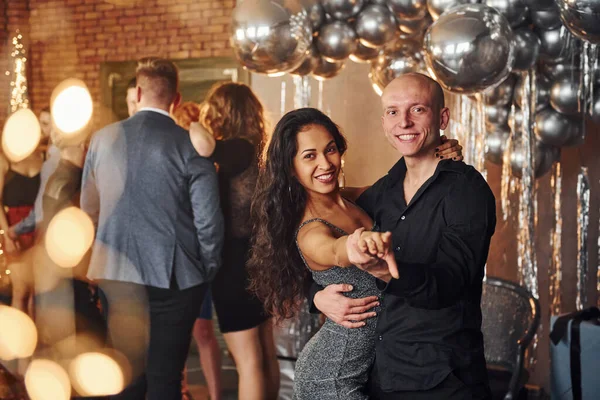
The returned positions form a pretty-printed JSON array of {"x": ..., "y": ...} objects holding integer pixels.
[{"x": 430, "y": 322}]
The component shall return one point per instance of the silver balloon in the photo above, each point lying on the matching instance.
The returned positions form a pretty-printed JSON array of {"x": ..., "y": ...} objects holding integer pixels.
[
  {"x": 544, "y": 156},
  {"x": 343, "y": 9},
  {"x": 539, "y": 4},
  {"x": 542, "y": 91},
  {"x": 546, "y": 19},
  {"x": 496, "y": 115},
  {"x": 336, "y": 41},
  {"x": 327, "y": 69},
  {"x": 495, "y": 144},
  {"x": 553, "y": 47},
  {"x": 379, "y": 2},
  {"x": 414, "y": 26},
  {"x": 564, "y": 96},
  {"x": 408, "y": 9},
  {"x": 596, "y": 109},
  {"x": 469, "y": 48},
  {"x": 309, "y": 64},
  {"x": 316, "y": 13},
  {"x": 559, "y": 71},
  {"x": 270, "y": 36},
  {"x": 437, "y": 7},
  {"x": 576, "y": 137},
  {"x": 364, "y": 54},
  {"x": 515, "y": 11},
  {"x": 394, "y": 61},
  {"x": 552, "y": 128},
  {"x": 375, "y": 26},
  {"x": 582, "y": 18},
  {"x": 516, "y": 123},
  {"x": 527, "y": 49},
  {"x": 502, "y": 94}
]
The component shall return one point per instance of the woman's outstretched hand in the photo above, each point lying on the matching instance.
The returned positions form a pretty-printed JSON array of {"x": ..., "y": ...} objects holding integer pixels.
[{"x": 372, "y": 252}]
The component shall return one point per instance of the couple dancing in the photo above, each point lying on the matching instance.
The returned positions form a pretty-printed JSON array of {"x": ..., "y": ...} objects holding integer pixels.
[{"x": 397, "y": 267}]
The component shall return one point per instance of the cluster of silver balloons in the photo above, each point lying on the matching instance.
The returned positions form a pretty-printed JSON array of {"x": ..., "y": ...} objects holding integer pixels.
[
  {"x": 548, "y": 39},
  {"x": 468, "y": 46},
  {"x": 316, "y": 37}
]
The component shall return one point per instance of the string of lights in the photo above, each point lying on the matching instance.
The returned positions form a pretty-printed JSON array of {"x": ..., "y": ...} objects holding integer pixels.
[{"x": 18, "y": 85}]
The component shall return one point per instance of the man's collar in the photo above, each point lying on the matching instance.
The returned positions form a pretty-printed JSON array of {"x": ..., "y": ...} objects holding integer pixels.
[
  {"x": 157, "y": 110},
  {"x": 399, "y": 169}
]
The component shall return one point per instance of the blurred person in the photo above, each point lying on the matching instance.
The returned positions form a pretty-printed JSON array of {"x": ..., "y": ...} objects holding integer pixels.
[
  {"x": 233, "y": 115},
  {"x": 203, "y": 331},
  {"x": 131, "y": 97},
  {"x": 22, "y": 229},
  {"x": 159, "y": 233}
]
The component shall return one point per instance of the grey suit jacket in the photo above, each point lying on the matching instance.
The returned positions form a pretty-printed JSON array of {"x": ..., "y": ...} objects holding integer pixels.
[{"x": 155, "y": 204}]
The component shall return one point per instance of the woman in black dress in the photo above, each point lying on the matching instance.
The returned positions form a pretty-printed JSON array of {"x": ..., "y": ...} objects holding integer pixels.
[{"x": 235, "y": 118}]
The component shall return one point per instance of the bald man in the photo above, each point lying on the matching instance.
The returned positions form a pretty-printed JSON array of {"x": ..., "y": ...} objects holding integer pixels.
[{"x": 442, "y": 215}]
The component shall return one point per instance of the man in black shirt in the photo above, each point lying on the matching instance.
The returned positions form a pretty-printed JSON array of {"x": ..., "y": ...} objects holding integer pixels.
[{"x": 442, "y": 216}]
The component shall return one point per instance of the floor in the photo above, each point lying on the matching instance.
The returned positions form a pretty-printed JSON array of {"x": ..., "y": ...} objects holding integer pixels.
[{"x": 197, "y": 384}]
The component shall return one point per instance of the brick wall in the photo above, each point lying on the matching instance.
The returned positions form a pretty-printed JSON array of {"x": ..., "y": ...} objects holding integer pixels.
[{"x": 70, "y": 38}]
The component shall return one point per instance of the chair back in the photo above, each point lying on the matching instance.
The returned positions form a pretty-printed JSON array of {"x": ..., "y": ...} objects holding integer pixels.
[{"x": 511, "y": 317}]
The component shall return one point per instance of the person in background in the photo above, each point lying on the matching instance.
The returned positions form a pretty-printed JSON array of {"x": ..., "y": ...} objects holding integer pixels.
[
  {"x": 23, "y": 230},
  {"x": 131, "y": 97},
  {"x": 232, "y": 135},
  {"x": 159, "y": 235},
  {"x": 204, "y": 330}
]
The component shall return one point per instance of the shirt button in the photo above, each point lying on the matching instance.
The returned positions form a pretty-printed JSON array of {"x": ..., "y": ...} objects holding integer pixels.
[
  {"x": 403, "y": 218},
  {"x": 380, "y": 338},
  {"x": 397, "y": 248}
]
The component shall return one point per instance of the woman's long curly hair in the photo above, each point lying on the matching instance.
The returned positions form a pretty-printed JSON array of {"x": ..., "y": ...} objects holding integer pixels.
[
  {"x": 231, "y": 110},
  {"x": 277, "y": 273}
]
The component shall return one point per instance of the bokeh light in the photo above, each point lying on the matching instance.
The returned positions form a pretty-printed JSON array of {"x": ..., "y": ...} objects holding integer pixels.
[
  {"x": 18, "y": 335},
  {"x": 46, "y": 380},
  {"x": 70, "y": 235},
  {"x": 96, "y": 374},
  {"x": 72, "y": 109},
  {"x": 21, "y": 135}
]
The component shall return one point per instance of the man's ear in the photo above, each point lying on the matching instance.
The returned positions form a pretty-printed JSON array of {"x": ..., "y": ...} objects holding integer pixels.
[
  {"x": 444, "y": 118},
  {"x": 176, "y": 101}
]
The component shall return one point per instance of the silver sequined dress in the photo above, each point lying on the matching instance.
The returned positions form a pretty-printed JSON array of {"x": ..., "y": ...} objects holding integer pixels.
[{"x": 335, "y": 363}]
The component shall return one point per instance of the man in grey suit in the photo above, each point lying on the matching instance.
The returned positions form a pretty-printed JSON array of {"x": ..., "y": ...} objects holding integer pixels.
[{"x": 159, "y": 233}]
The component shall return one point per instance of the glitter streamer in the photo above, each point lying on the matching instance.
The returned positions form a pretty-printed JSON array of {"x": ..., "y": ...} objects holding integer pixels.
[
  {"x": 526, "y": 237},
  {"x": 583, "y": 219},
  {"x": 506, "y": 182},
  {"x": 478, "y": 126},
  {"x": 282, "y": 98},
  {"x": 555, "y": 273},
  {"x": 302, "y": 91},
  {"x": 320, "y": 96}
]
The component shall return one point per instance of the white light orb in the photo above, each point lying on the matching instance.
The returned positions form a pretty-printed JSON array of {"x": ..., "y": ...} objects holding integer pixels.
[
  {"x": 69, "y": 236},
  {"x": 21, "y": 135},
  {"x": 96, "y": 374},
  {"x": 46, "y": 380},
  {"x": 18, "y": 335}
]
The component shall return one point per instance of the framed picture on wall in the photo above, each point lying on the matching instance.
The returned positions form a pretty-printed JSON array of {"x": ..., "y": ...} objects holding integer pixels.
[{"x": 196, "y": 77}]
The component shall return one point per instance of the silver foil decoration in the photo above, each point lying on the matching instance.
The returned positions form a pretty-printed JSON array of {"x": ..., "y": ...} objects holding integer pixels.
[
  {"x": 555, "y": 273},
  {"x": 583, "y": 220},
  {"x": 302, "y": 93},
  {"x": 282, "y": 99},
  {"x": 320, "y": 96},
  {"x": 526, "y": 238},
  {"x": 507, "y": 182}
]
